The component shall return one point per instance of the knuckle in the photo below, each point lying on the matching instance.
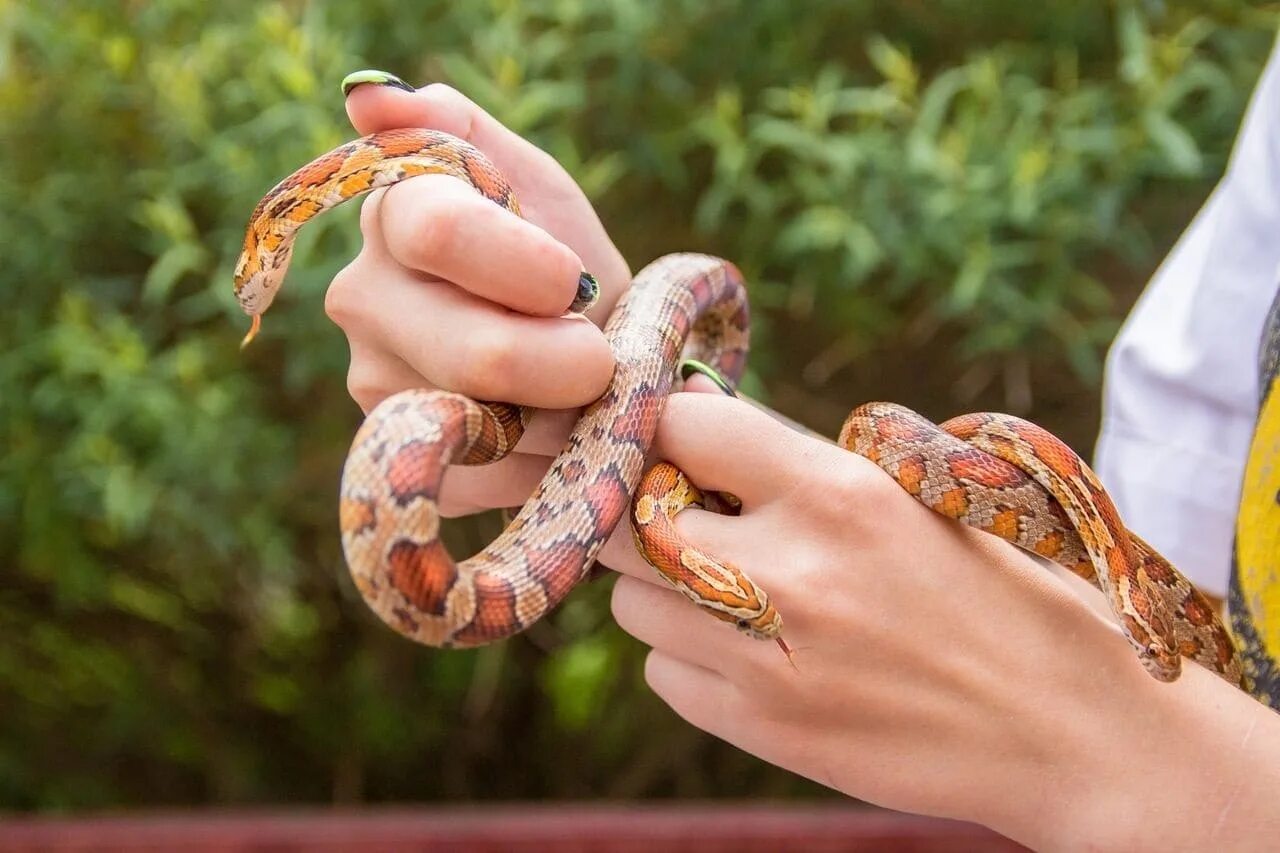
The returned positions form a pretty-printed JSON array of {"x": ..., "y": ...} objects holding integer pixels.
[
  {"x": 490, "y": 359},
  {"x": 340, "y": 302},
  {"x": 370, "y": 214},
  {"x": 442, "y": 92},
  {"x": 858, "y": 490},
  {"x": 433, "y": 230},
  {"x": 363, "y": 387},
  {"x": 560, "y": 264}
]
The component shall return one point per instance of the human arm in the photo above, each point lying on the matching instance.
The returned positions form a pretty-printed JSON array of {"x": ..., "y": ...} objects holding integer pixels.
[
  {"x": 938, "y": 670},
  {"x": 984, "y": 689}
]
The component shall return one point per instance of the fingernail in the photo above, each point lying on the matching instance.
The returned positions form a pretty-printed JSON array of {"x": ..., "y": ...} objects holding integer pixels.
[
  {"x": 588, "y": 293},
  {"x": 373, "y": 77},
  {"x": 690, "y": 366}
]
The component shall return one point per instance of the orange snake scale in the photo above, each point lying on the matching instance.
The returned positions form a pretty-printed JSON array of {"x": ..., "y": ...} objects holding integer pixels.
[{"x": 994, "y": 472}]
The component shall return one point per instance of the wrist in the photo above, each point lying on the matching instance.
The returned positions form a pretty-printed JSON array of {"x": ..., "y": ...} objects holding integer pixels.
[{"x": 1147, "y": 765}]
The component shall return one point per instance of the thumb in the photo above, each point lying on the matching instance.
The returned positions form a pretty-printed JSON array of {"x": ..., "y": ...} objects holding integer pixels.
[{"x": 380, "y": 101}]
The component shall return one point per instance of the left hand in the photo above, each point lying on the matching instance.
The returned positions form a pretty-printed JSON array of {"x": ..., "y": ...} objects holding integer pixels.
[{"x": 939, "y": 670}]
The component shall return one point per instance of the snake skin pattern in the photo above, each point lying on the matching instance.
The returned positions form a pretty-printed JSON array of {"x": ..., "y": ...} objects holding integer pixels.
[
  {"x": 720, "y": 588},
  {"x": 1013, "y": 479},
  {"x": 994, "y": 472},
  {"x": 390, "y": 521}
]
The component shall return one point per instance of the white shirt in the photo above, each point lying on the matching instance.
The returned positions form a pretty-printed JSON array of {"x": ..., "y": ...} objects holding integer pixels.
[{"x": 1181, "y": 390}]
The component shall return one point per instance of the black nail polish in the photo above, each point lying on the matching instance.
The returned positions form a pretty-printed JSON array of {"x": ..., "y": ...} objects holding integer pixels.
[
  {"x": 588, "y": 293},
  {"x": 690, "y": 366},
  {"x": 375, "y": 78}
]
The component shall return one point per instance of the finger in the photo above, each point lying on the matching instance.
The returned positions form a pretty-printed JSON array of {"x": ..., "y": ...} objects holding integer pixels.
[
  {"x": 732, "y": 712},
  {"x": 667, "y": 621},
  {"x": 718, "y": 535},
  {"x": 375, "y": 108},
  {"x": 702, "y": 697},
  {"x": 699, "y": 384},
  {"x": 468, "y": 489},
  {"x": 548, "y": 432},
  {"x": 459, "y": 342},
  {"x": 374, "y": 374},
  {"x": 619, "y": 554},
  {"x": 725, "y": 444},
  {"x": 439, "y": 225}
]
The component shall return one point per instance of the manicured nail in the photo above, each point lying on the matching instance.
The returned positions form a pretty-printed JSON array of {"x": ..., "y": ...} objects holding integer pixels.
[
  {"x": 588, "y": 293},
  {"x": 373, "y": 77},
  {"x": 690, "y": 366}
]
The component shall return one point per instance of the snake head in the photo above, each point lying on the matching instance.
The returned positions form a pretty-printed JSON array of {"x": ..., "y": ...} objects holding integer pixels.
[
  {"x": 258, "y": 277},
  {"x": 765, "y": 625},
  {"x": 1163, "y": 663}
]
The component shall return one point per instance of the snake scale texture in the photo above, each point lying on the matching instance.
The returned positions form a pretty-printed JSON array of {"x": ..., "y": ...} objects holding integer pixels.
[{"x": 994, "y": 472}]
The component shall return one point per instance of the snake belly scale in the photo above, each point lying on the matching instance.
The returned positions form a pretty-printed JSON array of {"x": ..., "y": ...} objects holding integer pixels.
[{"x": 991, "y": 471}]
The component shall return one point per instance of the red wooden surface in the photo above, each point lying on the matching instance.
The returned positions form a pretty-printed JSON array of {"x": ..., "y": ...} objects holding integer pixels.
[{"x": 526, "y": 829}]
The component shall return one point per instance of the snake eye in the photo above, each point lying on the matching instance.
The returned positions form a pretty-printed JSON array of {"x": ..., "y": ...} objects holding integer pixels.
[{"x": 744, "y": 624}]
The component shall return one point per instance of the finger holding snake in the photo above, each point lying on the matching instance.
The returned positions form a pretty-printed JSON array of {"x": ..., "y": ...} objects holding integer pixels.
[
  {"x": 939, "y": 669},
  {"x": 944, "y": 651},
  {"x": 549, "y": 197},
  {"x": 452, "y": 292}
]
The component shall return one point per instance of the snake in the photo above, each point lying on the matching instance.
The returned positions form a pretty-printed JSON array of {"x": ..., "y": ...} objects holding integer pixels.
[{"x": 994, "y": 472}]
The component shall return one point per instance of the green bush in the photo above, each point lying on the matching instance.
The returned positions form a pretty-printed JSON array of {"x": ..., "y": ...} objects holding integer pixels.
[{"x": 979, "y": 188}]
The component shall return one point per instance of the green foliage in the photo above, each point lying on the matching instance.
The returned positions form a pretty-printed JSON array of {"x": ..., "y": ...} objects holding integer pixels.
[{"x": 984, "y": 183}]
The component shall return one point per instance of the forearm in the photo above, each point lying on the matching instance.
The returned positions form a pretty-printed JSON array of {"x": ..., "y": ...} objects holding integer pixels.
[{"x": 1143, "y": 765}]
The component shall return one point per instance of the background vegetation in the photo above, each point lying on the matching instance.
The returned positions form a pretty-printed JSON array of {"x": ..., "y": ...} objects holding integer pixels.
[{"x": 947, "y": 203}]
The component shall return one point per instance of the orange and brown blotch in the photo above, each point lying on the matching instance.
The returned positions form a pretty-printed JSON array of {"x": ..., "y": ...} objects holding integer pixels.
[
  {"x": 403, "y": 142},
  {"x": 644, "y": 509},
  {"x": 634, "y": 424},
  {"x": 1007, "y": 524},
  {"x": 486, "y": 179},
  {"x": 556, "y": 567},
  {"x": 423, "y": 573},
  {"x": 1159, "y": 570},
  {"x": 573, "y": 470},
  {"x": 495, "y": 615},
  {"x": 974, "y": 466},
  {"x": 910, "y": 474},
  {"x": 608, "y": 497},
  {"x": 1199, "y": 612},
  {"x": 485, "y": 446},
  {"x": 357, "y": 515},
  {"x": 321, "y": 169},
  {"x": 953, "y": 503},
  {"x": 415, "y": 471}
]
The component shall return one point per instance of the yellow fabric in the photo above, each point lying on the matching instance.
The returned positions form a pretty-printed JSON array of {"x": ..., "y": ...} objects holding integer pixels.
[{"x": 1254, "y": 597}]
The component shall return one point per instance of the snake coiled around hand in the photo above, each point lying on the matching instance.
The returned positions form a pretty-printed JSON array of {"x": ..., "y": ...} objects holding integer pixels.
[{"x": 991, "y": 471}]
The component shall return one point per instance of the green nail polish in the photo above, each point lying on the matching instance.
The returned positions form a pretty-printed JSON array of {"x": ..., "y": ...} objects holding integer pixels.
[
  {"x": 690, "y": 366},
  {"x": 588, "y": 293},
  {"x": 373, "y": 77}
]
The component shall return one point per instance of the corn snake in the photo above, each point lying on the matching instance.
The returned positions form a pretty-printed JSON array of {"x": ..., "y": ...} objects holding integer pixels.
[{"x": 695, "y": 306}]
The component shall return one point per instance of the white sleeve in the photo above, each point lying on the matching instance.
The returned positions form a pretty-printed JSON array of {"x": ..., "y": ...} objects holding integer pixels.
[{"x": 1181, "y": 394}]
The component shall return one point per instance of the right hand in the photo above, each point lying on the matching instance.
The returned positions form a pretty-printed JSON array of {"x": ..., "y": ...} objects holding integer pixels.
[{"x": 451, "y": 291}]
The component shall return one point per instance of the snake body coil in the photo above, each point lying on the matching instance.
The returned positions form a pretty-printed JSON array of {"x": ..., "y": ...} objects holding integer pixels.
[
  {"x": 991, "y": 471},
  {"x": 388, "y": 503}
]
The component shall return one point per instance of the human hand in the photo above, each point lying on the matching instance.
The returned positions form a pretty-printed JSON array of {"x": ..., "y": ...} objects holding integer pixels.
[
  {"x": 938, "y": 670},
  {"x": 451, "y": 291}
]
